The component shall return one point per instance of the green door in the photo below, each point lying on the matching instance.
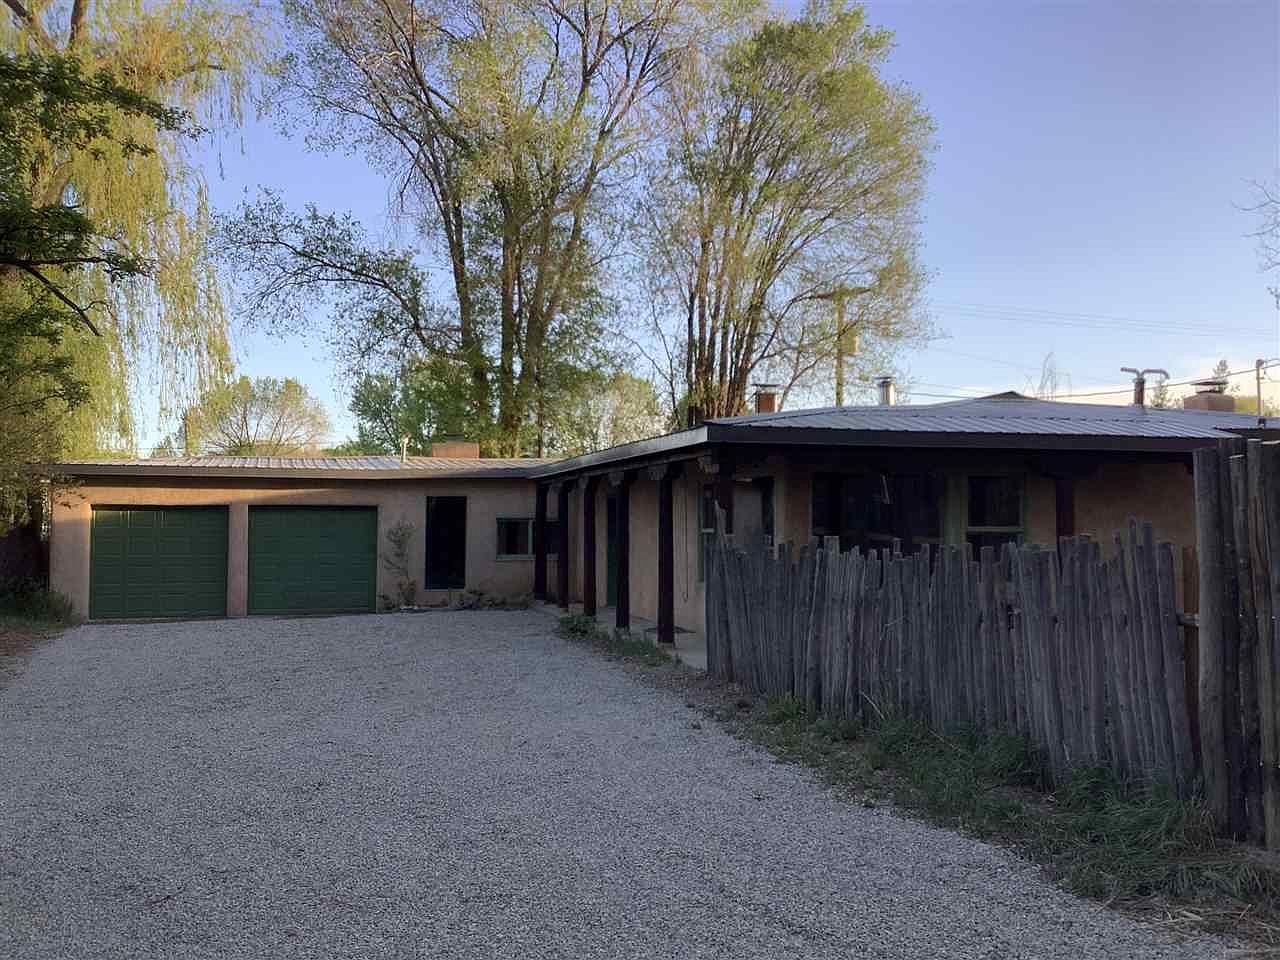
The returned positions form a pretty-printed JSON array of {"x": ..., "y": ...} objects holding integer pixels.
[
  {"x": 312, "y": 559},
  {"x": 158, "y": 562}
]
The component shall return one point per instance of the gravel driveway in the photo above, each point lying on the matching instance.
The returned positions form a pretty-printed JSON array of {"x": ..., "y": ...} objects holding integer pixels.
[{"x": 454, "y": 785}]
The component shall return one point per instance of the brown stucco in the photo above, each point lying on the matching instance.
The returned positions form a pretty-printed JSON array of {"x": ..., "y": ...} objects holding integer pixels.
[{"x": 396, "y": 502}]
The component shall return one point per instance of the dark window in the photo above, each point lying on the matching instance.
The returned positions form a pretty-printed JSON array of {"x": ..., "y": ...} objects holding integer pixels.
[
  {"x": 765, "y": 486},
  {"x": 920, "y": 507},
  {"x": 706, "y": 526},
  {"x": 995, "y": 501},
  {"x": 515, "y": 538},
  {"x": 873, "y": 509},
  {"x": 995, "y": 511}
]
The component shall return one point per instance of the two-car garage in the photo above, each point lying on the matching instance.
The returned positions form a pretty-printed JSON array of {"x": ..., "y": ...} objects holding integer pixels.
[{"x": 150, "y": 561}]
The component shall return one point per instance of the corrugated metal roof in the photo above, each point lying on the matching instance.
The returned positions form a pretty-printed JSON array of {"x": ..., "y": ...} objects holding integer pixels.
[
  {"x": 1011, "y": 414},
  {"x": 1007, "y": 421},
  {"x": 353, "y": 468}
]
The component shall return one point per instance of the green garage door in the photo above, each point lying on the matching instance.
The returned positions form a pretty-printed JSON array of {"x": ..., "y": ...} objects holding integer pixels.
[
  {"x": 312, "y": 559},
  {"x": 158, "y": 562}
]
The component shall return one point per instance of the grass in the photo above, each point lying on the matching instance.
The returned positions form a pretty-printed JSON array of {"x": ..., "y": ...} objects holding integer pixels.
[
  {"x": 27, "y": 608},
  {"x": 1131, "y": 844},
  {"x": 617, "y": 644}
]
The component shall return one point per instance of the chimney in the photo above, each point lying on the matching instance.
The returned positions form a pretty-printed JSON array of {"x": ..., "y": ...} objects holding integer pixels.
[
  {"x": 766, "y": 397},
  {"x": 888, "y": 391},
  {"x": 1210, "y": 395},
  {"x": 453, "y": 449}
]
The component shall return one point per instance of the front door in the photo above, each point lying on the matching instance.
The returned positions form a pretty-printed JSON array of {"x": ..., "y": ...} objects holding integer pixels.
[
  {"x": 446, "y": 543},
  {"x": 611, "y": 550}
]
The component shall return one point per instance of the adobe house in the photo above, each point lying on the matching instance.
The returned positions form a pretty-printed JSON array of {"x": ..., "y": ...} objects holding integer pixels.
[
  {"x": 227, "y": 536},
  {"x": 230, "y": 536},
  {"x": 982, "y": 471}
]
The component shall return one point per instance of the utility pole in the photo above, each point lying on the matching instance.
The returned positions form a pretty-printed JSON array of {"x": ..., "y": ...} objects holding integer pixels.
[
  {"x": 1257, "y": 379},
  {"x": 840, "y": 296}
]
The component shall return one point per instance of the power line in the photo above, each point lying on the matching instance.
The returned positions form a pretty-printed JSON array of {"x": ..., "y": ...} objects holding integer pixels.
[
  {"x": 1168, "y": 383},
  {"x": 1036, "y": 315}
]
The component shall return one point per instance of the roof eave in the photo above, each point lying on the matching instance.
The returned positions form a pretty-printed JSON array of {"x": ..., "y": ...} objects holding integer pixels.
[
  {"x": 134, "y": 471},
  {"x": 626, "y": 454},
  {"x": 810, "y": 436}
]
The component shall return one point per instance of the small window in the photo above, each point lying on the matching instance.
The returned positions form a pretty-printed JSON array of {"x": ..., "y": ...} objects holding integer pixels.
[
  {"x": 706, "y": 527},
  {"x": 515, "y": 539},
  {"x": 995, "y": 511}
]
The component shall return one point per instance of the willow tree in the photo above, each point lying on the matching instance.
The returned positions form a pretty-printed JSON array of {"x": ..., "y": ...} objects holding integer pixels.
[
  {"x": 506, "y": 125},
  {"x": 788, "y": 196},
  {"x": 192, "y": 56}
]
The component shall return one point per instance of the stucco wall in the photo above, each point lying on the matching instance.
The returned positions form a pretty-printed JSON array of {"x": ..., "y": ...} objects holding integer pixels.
[
  {"x": 1162, "y": 493},
  {"x": 487, "y": 500}
]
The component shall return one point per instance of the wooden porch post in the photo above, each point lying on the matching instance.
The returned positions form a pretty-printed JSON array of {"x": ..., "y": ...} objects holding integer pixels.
[
  {"x": 562, "y": 558},
  {"x": 666, "y": 555},
  {"x": 622, "y": 605},
  {"x": 540, "y": 543},
  {"x": 589, "y": 546}
]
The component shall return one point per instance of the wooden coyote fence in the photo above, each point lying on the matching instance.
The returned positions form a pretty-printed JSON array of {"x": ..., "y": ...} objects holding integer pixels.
[
  {"x": 1238, "y": 531},
  {"x": 1081, "y": 653}
]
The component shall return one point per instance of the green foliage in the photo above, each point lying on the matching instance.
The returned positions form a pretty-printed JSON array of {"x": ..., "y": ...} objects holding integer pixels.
[
  {"x": 791, "y": 184},
  {"x": 508, "y": 128},
  {"x": 619, "y": 644},
  {"x": 263, "y": 417},
  {"x": 31, "y": 601},
  {"x": 51, "y": 107},
  {"x": 396, "y": 559},
  {"x": 125, "y": 171},
  {"x": 424, "y": 400}
]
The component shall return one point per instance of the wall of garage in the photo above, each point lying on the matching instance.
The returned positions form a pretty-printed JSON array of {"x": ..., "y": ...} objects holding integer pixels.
[{"x": 396, "y": 502}]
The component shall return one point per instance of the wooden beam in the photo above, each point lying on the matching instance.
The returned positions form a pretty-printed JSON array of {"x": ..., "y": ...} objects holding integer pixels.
[
  {"x": 589, "y": 546},
  {"x": 540, "y": 543},
  {"x": 562, "y": 558},
  {"x": 666, "y": 556},
  {"x": 622, "y": 606}
]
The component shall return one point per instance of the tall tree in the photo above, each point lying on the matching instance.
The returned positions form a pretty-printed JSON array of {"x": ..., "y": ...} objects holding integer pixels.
[
  {"x": 50, "y": 105},
  {"x": 506, "y": 125},
  {"x": 263, "y": 417},
  {"x": 792, "y": 179},
  {"x": 196, "y": 56}
]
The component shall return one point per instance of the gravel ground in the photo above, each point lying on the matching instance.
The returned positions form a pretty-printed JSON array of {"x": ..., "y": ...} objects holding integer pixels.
[{"x": 455, "y": 785}]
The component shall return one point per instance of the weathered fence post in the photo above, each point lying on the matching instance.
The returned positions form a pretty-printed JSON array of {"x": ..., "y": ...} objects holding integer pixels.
[
  {"x": 1250, "y": 774},
  {"x": 1213, "y": 613},
  {"x": 1266, "y": 500}
]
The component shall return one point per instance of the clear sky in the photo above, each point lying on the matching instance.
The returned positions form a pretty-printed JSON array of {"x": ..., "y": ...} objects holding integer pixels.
[{"x": 1084, "y": 200}]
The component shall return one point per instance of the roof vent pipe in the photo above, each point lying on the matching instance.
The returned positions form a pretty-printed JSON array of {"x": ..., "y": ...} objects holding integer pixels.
[
  {"x": 404, "y": 449},
  {"x": 888, "y": 391},
  {"x": 1140, "y": 382}
]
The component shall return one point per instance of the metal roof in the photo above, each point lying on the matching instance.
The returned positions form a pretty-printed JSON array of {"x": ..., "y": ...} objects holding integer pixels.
[
  {"x": 1007, "y": 421},
  {"x": 330, "y": 468},
  {"x": 1011, "y": 414}
]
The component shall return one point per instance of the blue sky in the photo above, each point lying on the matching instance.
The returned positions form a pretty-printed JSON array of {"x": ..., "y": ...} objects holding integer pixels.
[{"x": 1084, "y": 199}]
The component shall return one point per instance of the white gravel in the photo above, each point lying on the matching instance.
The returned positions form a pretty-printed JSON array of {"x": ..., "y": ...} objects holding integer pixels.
[{"x": 454, "y": 785}]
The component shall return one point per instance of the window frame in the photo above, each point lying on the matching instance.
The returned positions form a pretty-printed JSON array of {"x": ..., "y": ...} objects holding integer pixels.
[
  {"x": 1018, "y": 532},
  {"x": 498, "y": 522}
]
